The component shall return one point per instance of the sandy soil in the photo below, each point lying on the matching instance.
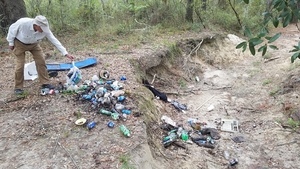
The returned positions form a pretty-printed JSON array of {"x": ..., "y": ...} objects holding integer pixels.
[{"x": 39, "y": 131}]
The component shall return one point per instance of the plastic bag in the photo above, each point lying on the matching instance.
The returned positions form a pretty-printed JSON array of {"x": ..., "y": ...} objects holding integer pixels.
[{"x": 74, "y": 75}]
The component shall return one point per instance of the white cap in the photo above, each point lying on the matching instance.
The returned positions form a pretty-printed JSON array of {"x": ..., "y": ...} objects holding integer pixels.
[{"x": 42, "y": 22}]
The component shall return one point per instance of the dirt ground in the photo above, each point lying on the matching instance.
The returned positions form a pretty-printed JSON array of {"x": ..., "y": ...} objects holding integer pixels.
[{"x": 39, "y": 131}]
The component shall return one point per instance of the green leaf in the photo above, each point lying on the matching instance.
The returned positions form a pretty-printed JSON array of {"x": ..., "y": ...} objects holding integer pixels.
[
  {"x": 295, "y": 56},
  {"x": 287, "y": 20},
  {"x": 275, "y": 22},
  {"x": 275, "y": 37},
  {"x": 263, "y": 32},
  {"x": 268, "y": 37},
  {"x": 246, "y": 1},
  {"x": 247, "y": 32},
  {"x": 294, "y": 50},
  {"x": 252, "y": 49},
  {"x": 273, "y": 47},
  {"x": 264, "y": 50},
  {"x": 261, "y": 48},
  {"x": 276, "y": 3},
  {"x": 255, "y": 41},
  {"x": 241, "y": 45},
  {"x": 244, "y": 47}
]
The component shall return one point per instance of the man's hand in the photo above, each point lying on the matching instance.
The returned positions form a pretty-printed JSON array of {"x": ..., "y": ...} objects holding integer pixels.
[
  {"x": 70, "y": 56},
  {"x": 11, "y": 47}
]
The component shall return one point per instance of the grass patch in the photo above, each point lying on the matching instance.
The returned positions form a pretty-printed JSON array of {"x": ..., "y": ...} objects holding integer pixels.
[
  {"x": 125, "y": 160},
  {"x": 274, "y": 91},
  {"x": 293, "y": 123},
  {"x": 266, "y": 82}
]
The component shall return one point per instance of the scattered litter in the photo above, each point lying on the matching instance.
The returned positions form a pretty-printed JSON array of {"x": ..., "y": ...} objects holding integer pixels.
[
  {"x": 238, "y": 139},
  {"x": 210, "y": 108},
  {"x": 212, "y": 132},
  {"x": 158, "y": 94},
  {"x": 125, "y": 130},
  {"x": 196, "y": 124},
  {"x": 111, "y": 124},
  {"x": 91, "y": 125},
  {"x": 168, "y": 120},
  {"x": 80, "y": 121},
  {"x": 178, "y": 106},
  {"x": 233, "y": 162},
  {"x": 229, "y": 125},
  {"x": 74, "y": 75}
]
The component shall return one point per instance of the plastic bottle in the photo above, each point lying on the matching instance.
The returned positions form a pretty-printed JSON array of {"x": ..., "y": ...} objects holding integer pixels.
[
  {"x": 86, "y": 97},
  {"x": 115, "y": 116},
  {"x": 184, "y": 135},
  {"x": 125, "y": 130},
  {"x": 119, "y": 106},
  {"x": 106, "y": 112},
  {"x": 126, "y": 111},
  {"x": 169, "y": 139},
  {"x": 121, "y": 98}
]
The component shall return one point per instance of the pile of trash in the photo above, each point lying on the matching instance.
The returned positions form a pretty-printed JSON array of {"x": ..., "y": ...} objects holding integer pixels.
[
  {"x": 199, "y": 134},
  {"x": 103, "y": 95}
]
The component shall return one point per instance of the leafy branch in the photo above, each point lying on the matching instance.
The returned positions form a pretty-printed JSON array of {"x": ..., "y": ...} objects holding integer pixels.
[{"x": 282, "y": 12}]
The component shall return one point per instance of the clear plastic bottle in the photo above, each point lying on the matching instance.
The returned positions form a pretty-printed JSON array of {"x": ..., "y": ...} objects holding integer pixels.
[{"x": 125, "y": 130}]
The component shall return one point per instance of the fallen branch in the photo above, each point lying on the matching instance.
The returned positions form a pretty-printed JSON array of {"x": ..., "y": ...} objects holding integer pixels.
[
  {"x": 68, "y": 154},
  {"x": 291, "y": 142},
  {"x": 271, "y": 59},
  {"x": 153, "y": 79},
  {"x": 205, "y": 102}
]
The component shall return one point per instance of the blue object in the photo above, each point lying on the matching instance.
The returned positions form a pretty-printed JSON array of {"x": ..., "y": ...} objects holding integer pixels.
[
  {"x": 66, "y": 66},
  {"x": 123, "y": 78},
  {"x": 91, "y": 125},
  {"x": 121, "y": 98},
  {"x": 111, "y": 124},
  {"x": 126, "y": 111}
]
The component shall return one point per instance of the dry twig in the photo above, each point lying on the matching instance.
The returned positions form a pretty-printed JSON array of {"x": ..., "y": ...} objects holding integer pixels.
[{"x": 205, "y": 102}]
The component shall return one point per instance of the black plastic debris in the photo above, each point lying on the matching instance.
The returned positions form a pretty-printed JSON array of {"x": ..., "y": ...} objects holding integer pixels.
[
  {"x": 178, "y": 105},
  {"x": 160, "y": 95}
]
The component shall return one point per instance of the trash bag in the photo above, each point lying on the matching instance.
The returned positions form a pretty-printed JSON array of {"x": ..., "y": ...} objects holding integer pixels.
[{"x": 74, "y": 75}]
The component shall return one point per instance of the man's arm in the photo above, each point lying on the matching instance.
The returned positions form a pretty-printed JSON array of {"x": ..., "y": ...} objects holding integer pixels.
[
  {"x": 11, "y": 35},
  {"x": 56, "y": 43}
]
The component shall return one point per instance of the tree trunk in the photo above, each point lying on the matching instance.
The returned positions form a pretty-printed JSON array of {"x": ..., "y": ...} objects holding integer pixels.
[
  {"x": 204, "y": 4},
  {"x": 11, "y": 11},
  {"x": 189, "y": 10}
]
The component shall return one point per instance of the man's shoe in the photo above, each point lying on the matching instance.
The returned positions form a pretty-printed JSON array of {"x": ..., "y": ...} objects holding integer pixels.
[
  {"x": 19, "y": 91},
  {"x": 49, "y": 86}
]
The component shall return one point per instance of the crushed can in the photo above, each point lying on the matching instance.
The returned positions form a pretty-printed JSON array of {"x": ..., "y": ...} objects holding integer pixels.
[
  {"x": 233, "y": 162},
  {"x": 111, "y": 124},
  {"x": 91, "y": 125}
]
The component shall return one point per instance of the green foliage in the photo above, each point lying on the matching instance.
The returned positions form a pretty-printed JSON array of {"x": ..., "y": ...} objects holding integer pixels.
[
  {"x": 280, "y": 12},
  {"x": 293, "y": 124},
  {"x": 125, "y": 160}
]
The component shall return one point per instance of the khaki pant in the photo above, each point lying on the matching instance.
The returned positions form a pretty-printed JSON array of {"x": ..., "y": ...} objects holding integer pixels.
[{"x": 38, "y": 57}]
